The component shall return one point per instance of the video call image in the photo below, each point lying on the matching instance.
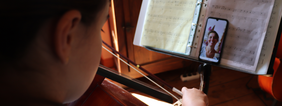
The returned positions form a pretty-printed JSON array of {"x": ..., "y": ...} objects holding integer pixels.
[{"x": 213, "y": 40}]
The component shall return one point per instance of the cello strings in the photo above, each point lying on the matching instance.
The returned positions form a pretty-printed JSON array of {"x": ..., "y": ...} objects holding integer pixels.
[
  {"x": 138, "y": 66},
  {"x": 141, "y": 74}
]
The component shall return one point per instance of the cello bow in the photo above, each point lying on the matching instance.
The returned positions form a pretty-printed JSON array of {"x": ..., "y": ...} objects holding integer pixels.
[
  {"x": 147, "y": 72},
  {"x": 103, "y": 71},
  {"x": 140, "y": 67}
]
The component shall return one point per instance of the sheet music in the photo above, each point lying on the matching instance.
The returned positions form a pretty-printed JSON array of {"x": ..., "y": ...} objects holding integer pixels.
[
  {"x": 168, "y": 23},
  {"x": 248, "y": 22},
  {"x": 270, "y": 38}
]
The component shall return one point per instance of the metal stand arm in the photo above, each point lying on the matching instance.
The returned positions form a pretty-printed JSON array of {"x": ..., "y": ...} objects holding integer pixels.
[{"x": 205, "y": 73}]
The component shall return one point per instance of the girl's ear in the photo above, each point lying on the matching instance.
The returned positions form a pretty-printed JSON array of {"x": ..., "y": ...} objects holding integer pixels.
[{"x": 64, "y": 34}]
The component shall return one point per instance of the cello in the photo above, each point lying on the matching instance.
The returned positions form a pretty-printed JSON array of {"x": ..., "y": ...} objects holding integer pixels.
[
  {"x": 272, "y": 84},
  {"x": 104, "y": 93}
]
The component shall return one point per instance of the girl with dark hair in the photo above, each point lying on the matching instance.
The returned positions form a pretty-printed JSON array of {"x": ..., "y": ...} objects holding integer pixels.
[{"x": 50, "y": 51}]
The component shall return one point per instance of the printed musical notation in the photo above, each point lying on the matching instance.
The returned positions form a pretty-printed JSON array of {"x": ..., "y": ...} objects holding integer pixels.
[
  {"x": 152, "y": 17},
  {"x": 164, "y": 40},
  {"x": 167, "y": 24},
  {"x": 248, "y": 20},
  {"x": 232, "y": 17},
  {"x": 270, "y": 37},
  {"x": 253, "y": 1},
  {"x": 172, "y": 2},
  {"x": 161, "y": 33},
  {"x": 238, "y": 10}
]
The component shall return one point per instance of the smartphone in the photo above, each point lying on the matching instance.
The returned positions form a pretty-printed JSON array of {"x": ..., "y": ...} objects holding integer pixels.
[{"x": 213, "y": 40}]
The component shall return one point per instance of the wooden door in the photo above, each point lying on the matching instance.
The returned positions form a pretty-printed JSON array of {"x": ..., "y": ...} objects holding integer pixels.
[{"x": 127, "y": 12}]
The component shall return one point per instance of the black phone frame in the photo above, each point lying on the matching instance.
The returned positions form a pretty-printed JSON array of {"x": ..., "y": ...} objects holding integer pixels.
[{"x": 223, "y": 41}]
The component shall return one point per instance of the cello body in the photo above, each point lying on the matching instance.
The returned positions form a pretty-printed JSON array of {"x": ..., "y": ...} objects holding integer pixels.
[
  {"x": 273, "y": 84},
  {"x": 102, "y": 92}
]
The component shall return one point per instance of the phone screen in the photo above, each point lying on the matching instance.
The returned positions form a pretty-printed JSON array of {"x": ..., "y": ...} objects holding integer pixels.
[{"x": 213, "y": 40}]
